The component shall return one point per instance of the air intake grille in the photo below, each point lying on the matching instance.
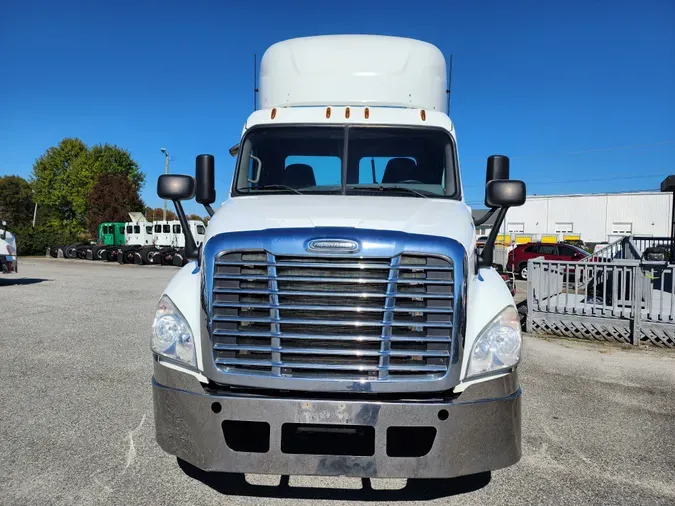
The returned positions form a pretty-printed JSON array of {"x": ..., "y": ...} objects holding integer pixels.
[{"x": 332, "y": 317}]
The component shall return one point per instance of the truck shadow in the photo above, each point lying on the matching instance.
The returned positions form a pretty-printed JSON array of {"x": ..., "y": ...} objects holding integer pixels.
[
  {"x": 415, "y": 490},
  {"x": 7, "y": 281}
]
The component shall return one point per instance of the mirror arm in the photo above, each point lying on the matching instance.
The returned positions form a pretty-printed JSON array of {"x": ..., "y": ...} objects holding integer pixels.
[
  {"x": 479, "y": 221},
  {"x": 486, "y": 257},
  {"x": 209, "y": 209},
  {"x": 191, "y": 250}
]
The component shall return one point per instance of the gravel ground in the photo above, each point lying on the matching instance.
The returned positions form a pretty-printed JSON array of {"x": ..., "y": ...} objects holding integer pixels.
[{"x": 76, "y": 420}]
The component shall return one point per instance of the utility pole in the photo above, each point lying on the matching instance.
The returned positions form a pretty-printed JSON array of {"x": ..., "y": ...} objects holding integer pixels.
[
  {"x": 34, "y": 210},
  {"x": 166, "y": 171}
]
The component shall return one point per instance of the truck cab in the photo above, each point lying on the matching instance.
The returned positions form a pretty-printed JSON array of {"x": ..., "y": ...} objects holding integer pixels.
[
  {"x": 9, "y": 261},
  {"x": 337, "y": 319}
]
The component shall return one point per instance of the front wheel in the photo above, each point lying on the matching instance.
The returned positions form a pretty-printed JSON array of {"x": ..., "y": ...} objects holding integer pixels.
[{"x": 522, "y": 271}]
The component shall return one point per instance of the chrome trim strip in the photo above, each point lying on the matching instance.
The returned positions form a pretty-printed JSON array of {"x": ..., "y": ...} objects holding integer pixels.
[
  {"x": 326, "y": 307},
  {"x": 328, "y": 367},
  {"x": 351, "y": 323},
  {"x": 320, "y": 279},
  {"x": 376, "y": 244},
  {"x": 329, "y": 351},
  {"x": 327, "y": 337},
  {"x": 313, "y": 293},
  {"x": 327, "y": 265}
]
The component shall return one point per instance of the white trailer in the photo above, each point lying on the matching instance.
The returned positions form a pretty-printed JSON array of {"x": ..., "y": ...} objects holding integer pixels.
[{"x": 337, "y": 319}]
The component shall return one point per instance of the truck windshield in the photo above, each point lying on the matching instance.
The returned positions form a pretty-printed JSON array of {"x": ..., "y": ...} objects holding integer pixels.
[{"x": 409, "y": 162}]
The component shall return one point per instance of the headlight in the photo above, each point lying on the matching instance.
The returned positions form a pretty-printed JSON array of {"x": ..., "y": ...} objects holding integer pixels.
[
  {"x": 498, "y": 345},
  {"x": 171, "y": 334}
]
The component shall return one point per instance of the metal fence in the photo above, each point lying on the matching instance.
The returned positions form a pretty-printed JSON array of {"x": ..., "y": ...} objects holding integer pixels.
[{"x": 614, "y": 298}]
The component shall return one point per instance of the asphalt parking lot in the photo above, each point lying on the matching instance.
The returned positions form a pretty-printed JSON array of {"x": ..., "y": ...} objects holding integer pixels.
[{"x": 76, "y": 416}]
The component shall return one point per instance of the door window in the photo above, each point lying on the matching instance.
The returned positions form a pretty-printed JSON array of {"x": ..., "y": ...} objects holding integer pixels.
[
  {"x": 545, "y": 249},
  {"x": 166, "y": 229},
  {"x": 176, "y": 229}
]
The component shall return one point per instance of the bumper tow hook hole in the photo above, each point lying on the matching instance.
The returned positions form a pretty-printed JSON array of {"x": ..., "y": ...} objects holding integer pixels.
[
  {"x": 410, "y": 441},
  {"x": 216, "y": 407},
  {"x": 251, "y": 437},
  {"x": 443, "y": 414}
]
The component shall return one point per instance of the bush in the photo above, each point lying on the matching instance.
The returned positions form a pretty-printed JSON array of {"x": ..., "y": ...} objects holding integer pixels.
[{"x": 35, "y": 241}]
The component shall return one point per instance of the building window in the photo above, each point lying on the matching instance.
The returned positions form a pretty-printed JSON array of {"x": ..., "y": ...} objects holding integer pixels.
[
  {"x": 564, "y": 228},
  {"x": 516, "y": 228},
  {"x": 622, "y": 228}
]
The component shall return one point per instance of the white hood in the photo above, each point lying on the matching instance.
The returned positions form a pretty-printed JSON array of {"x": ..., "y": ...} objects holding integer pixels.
[{"x": 444, "y": 218}]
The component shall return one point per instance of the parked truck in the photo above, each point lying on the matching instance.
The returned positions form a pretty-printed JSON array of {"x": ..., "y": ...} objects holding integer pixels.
[
  {"x": 9, "y": 261},
  {"x": 337, "y": 319}
]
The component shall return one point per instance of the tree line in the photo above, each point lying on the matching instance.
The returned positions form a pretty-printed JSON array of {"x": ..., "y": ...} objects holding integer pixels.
[{"x": 71, "y": 190}]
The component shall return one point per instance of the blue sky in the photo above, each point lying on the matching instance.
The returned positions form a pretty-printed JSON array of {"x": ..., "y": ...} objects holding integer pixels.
[{"x": 542, "y": 82}]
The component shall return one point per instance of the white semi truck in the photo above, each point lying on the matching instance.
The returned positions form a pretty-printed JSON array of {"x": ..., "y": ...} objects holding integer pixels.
[
  {"x": 9, "y": 261},
  {"x": 337, "y": 319}
]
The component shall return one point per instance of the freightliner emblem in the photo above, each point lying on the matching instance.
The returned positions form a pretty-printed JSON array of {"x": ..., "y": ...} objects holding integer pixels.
[{"x": 333, "y": 245}]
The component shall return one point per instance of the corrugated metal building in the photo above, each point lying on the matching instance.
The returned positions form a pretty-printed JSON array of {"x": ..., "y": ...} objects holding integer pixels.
[{"x": 595, "y": 217}]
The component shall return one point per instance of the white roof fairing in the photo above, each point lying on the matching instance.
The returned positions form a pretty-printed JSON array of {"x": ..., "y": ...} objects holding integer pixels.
[{"x": 357, "y": 70}]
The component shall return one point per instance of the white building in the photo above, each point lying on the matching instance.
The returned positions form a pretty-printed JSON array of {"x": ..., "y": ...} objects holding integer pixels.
[{"x": 595, "y": 217}]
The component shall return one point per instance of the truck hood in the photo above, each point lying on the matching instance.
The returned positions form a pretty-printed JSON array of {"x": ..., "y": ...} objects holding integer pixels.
[{"x": 444, "y": 218}]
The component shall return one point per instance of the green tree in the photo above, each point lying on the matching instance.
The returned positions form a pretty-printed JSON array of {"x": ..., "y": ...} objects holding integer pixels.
[
  {"x": 112, "y": 197},
  {"x": 101, "y": 159},
  {"x": 157, "y": 214},
  {"x": 16, "y": 201},
  {"x": 64, "y": 176},
  {"x": 52, "y": 183}
]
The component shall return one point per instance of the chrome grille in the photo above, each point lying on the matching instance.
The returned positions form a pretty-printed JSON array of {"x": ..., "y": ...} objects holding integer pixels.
[{"x": 332, "y": 317}]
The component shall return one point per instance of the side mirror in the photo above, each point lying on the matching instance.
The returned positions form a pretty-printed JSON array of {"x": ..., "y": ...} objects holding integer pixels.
[
  {"x": 4, "y": 229},
  {"x": 497, "y": 168},
  {"x": 500, "y": 194},
  {"x": 504, "y": 193},
  {"x": 205, "y": 181},
  {"x": 175, "y": 187}
]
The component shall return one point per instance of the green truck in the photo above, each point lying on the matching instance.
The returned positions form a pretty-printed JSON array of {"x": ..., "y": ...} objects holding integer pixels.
[{"x": 110, "y": 238}]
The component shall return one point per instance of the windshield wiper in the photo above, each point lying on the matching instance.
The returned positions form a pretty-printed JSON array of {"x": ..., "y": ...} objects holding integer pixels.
[
  {"x": 382, "y": 188},
  {"x": 272, "y": 187}
]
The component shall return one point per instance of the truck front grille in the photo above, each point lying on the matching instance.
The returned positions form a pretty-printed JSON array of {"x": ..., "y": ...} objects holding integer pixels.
[{"x": 332, "y": 317}]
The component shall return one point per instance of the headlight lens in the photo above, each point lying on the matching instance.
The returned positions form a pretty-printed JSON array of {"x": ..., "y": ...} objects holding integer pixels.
[
  {"x": 171, "y": 336},
  {"x": 498, "y": 345}
]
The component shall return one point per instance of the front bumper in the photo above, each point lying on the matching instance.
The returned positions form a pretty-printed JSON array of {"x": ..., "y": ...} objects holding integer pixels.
[{"x": 480, "y": 431}]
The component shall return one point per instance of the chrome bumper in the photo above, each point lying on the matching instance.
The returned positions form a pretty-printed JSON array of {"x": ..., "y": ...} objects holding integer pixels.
[{"x": 480, "y": 431}]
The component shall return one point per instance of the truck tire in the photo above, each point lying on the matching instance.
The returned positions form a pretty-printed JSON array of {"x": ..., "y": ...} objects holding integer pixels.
[
  {"x": 112, "y": 252},
  {"x": 70, "y": 251},
  {"x": 81, "y": 251},
  {"x": 145, "y": 254},
  {"x": 179, "y": 258},
  {"x": 167, "y": 256},
  {"x": 54, "y": 251},
  {"x": 96, "y": 253}
]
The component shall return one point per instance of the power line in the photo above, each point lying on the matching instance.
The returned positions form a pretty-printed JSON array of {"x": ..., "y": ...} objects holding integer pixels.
[
  {"x": 592, "y": 150},
  {"x": 481, "y": 202},
  {"x": 529, "y": 183}
]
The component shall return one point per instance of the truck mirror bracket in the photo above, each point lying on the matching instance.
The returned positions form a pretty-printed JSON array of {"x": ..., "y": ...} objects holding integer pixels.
[
  {"x": 486, "y": 257},
  {"x": 191, "y": 249}
]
